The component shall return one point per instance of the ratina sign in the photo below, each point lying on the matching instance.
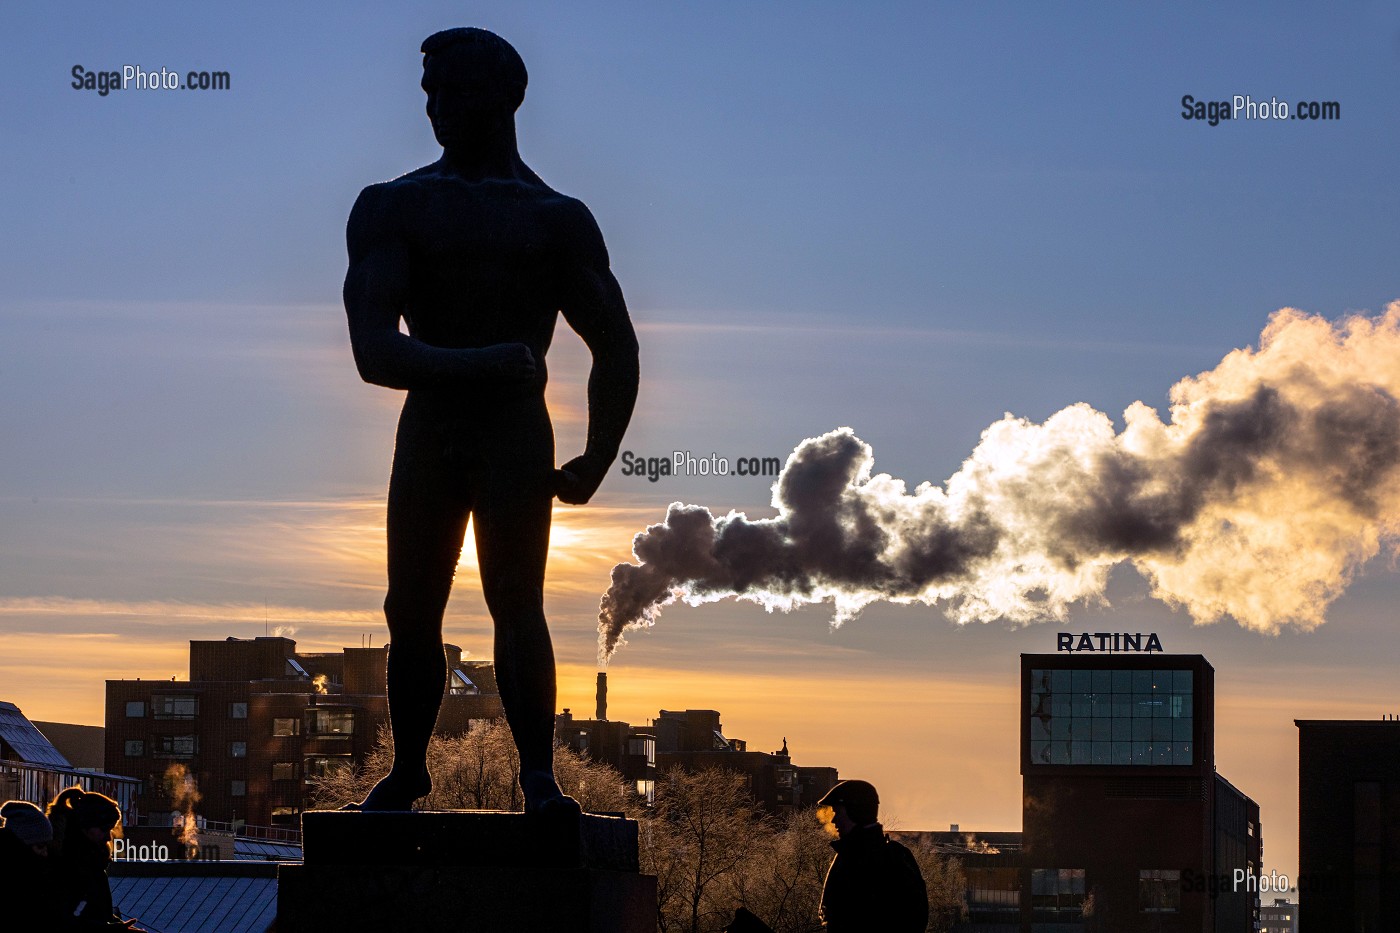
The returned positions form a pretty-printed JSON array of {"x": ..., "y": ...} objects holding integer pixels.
[{"x": 1108, "y": 641}]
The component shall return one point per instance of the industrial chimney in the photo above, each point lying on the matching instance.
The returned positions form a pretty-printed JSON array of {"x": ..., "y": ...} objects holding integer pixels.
[{"x": 602, "y": 696}]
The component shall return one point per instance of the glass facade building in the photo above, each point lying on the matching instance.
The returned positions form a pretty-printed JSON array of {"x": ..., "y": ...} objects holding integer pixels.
[
  {"x": 1111, "y": 716},
  {"x": 1123, "y": 812}
]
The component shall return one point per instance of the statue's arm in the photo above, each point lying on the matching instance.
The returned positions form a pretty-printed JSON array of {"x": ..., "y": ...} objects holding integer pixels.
[
  {"x": 593, "y": 306},
  {"x": 376, "y": 290}
]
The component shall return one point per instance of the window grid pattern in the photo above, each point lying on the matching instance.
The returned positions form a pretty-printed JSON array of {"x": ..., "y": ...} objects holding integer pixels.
[
  {"x": 1057, "y": 890},
  {"x": 1111, "y": 717},
  {"x": 1159, "y": 890},
  {"x": 330, "y": 722},
  {"x": 176, "y": 706}
]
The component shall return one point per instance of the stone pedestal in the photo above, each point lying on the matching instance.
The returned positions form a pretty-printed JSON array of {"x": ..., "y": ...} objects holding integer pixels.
[{"x": 468, "y": 871}]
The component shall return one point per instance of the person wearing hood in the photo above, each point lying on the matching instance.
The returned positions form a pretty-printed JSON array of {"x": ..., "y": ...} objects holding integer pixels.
[{"x": 83, "y": 822}]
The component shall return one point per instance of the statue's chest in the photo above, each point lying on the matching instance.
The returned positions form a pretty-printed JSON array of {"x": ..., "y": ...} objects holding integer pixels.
[{"x": 481, "y": 233}]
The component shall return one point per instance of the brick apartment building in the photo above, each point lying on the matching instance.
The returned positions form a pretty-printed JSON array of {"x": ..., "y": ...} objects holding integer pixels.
[{"x": 257, "y": 720}]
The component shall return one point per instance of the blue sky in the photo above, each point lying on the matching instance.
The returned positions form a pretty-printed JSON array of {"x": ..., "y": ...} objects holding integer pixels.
[{"x": 908, "y": 219}]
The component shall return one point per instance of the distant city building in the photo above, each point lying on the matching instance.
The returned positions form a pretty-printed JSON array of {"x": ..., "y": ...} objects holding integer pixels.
[
  {"x": 692, "y": 740},
  {"x": 1348, "y": 824},
  {"x": 33, "y": 769},
  {"x": 1279, "y": 917},
  {"x": 1126, "y": 825},
  {"x": 257, "y": 721},
  {"x": 81, "y": 745},
  {"x": 960, "y": 843}
]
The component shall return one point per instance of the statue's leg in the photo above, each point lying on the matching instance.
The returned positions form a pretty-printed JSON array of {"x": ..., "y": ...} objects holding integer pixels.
[
  {"x": 427, "y": 520},
  {"x": 511, "y": 519}
]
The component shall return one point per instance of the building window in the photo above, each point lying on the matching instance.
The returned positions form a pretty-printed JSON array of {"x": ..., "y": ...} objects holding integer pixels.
[
  {"x": 994, "y": 895},
  {"x": 238, "y": 788},
  {"x": 284, "y": 771},
  {"x": 136, "y": 709},
  {"x": 238, "y": 711},
  {"x": 1057, "y": 893},
  {"x": 176, "y": 746},
  {"x": 643, "y": 745},
  {"x": 284, "y": 815},
  {"x": 330, "y": 721},
  {"x": 1111, "y": 717},
  {"x": 326, "y": 765},
  {"x": 176, "y": 706},
  {"x": 135, "y": 748},
  {"x": 1159, "y": 890},
  {"x": 286, "y": 726},
  {"x": 459, "y": 684},
  {"x": 238, "y": 749}
]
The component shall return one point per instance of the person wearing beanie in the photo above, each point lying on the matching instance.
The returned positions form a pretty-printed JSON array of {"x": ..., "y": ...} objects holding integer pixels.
[
  {"x": 26, "y": 896},
  {"x": 83, "y": 822},
  {"x": 28, "y": 823},
  {"x": 873, "y": 883}
]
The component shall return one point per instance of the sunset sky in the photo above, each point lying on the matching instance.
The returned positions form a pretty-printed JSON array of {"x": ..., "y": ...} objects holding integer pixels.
[{"x": 906, "y": 218}]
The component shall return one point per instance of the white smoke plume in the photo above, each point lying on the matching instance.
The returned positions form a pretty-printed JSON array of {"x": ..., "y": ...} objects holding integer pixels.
[
  {"x": 184, "y": 793},
  {"x": 1276, "y": 478}
]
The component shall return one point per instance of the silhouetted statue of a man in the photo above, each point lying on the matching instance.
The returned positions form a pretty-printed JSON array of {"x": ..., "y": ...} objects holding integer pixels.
[{"x": 478, "y": 257}]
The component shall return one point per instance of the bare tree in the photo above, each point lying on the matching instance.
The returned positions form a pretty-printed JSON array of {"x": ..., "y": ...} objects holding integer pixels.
[
  {"x": 704, "y": 828},
  {"x": 476, "y": 771},
  {"x": 782, "y": 880},
  {"x": 947, "y": 888}
]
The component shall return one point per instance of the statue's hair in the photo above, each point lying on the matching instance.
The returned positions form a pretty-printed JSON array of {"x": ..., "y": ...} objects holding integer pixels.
[{"x": 500, "y": 54}]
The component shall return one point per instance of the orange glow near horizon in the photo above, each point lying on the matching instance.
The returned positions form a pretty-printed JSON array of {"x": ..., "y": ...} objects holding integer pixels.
[
  {"x": 944, "y": 745},
  {"x": 945, "y": 748}
]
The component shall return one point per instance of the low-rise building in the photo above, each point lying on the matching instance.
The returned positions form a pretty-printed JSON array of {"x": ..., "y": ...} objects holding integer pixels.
[
  {"x": 692, "y": 740},
  {"x": 33, "y": 769},
  {"x": 1279, "y": 917},
  {"x": 257, "y": 721}
]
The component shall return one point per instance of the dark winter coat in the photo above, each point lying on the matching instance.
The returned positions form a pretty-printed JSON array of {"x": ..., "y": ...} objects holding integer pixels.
[
  {"x": 80, "y": 872},
  {"x": 873, "y": 884}
]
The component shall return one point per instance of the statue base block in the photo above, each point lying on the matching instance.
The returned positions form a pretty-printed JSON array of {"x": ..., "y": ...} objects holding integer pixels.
[{"x": 467, "y": 870}]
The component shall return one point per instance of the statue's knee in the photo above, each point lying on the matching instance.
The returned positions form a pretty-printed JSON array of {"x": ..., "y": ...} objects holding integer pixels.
[
  {"x": 411, "y": 610},
  {"x": 516, "y": 600}
]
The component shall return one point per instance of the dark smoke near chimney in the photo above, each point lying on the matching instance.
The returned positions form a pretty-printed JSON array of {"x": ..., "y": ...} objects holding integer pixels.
[{"x": 1275, "y": 479}]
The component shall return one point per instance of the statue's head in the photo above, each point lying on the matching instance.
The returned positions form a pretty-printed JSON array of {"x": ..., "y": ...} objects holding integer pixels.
[{"x": 474, "y": 80}]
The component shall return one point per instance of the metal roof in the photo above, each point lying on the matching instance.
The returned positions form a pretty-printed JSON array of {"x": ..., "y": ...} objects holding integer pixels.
[
  {"x": 28, "y": 742},
  {"x": 197, "y": 903},
  {"x": 261, "y": 850}
]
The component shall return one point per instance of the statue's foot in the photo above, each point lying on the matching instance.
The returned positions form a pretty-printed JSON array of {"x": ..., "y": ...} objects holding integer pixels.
[
  {"x": 544, "y": 798},
  {"x": 394, "y": 792}
]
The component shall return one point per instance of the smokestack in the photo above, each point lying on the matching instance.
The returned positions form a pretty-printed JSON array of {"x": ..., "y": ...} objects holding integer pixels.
[
  {"x": 602, "y": 696},
  {"x": 1274, "y": 480}
]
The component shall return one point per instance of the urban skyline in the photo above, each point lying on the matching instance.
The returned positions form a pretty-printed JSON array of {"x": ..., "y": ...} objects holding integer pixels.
[{"x": 907, "y": 220}]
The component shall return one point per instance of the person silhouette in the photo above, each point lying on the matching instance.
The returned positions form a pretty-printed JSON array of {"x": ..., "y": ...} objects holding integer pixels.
[
  {"x": 874, "y": 882},
  {"x": 478, "y": 257}
]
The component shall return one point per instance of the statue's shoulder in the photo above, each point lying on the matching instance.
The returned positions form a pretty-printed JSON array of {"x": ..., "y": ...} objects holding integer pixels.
[
  {"x": 560, "y": 206},
  {"x": 571, "y": 221},
  {"x": 381, "y": 207},
  {"x": 386, "y": 195}
]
